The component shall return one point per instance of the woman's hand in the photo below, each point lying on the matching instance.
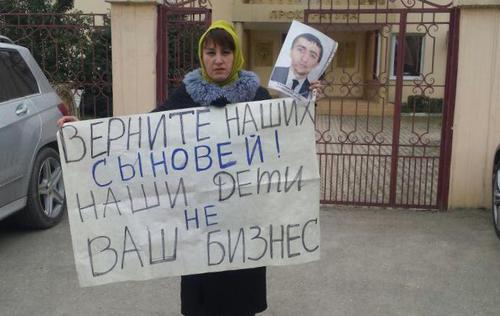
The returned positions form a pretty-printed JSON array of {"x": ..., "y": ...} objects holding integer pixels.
[
  {"x": 66, "y": 119},
  {"x": 319, "y": 86}
]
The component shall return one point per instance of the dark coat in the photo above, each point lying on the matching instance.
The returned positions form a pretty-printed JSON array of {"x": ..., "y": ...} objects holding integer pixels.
[
  {"x": 280, "y": 74},
  {"x": 236, "y": 292}
]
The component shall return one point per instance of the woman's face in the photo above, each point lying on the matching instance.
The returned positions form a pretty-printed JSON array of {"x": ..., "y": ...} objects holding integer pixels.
[{"x": 218, "y": 61}]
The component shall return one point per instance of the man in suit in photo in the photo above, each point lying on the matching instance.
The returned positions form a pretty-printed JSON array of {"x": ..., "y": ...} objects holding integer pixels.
[{"x": 305, "y": 54}]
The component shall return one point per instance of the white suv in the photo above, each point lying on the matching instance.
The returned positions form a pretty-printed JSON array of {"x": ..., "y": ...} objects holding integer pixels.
[{"x": 31, "y": 182}]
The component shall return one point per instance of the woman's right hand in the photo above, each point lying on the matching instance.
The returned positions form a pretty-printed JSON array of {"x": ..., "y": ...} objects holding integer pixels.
[
  {"x": 66, "y": 119},
  {"x": 319, "y": 86}
]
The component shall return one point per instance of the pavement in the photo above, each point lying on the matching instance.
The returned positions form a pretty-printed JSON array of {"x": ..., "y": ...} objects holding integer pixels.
[{"x": 373, "y": 262}]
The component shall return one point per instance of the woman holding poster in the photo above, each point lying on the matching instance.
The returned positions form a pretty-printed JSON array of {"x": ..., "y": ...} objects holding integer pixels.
[{"x": 220, "y": 81}]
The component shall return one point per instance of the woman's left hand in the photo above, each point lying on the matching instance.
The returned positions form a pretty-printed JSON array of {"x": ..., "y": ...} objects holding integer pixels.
[{"x": 319, "y": 86}]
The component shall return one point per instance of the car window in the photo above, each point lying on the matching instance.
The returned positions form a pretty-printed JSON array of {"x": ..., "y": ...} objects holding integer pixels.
[
  {"x": 4, "y": 77},
  {"x": 16, "y": 79}
]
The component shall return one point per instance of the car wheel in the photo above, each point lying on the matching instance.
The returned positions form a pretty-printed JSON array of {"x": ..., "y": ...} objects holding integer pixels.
[
  {"x": 46, "y": 199},
  {"x": 496, "y": 198}
]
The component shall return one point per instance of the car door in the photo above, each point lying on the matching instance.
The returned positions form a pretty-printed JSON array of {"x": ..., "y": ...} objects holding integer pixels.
[{"x": 20, "y": 125}]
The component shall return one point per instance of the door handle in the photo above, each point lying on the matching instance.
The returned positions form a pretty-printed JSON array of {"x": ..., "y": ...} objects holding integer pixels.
[{"x": 21, "y": 109}]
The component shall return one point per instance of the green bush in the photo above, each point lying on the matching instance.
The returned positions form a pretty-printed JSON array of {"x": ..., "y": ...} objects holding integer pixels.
[{"x": 422, "y": 104}]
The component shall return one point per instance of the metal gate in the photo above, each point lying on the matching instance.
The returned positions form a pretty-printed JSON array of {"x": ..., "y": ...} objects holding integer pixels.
[
  {"x": 180, "y": 25},
  {"x": 74, "y": 52},
  {"x": 384, "y": 134}
]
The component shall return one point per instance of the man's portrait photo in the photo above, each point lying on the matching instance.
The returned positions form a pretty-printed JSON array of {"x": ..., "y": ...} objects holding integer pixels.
[{"x": 304, "y": 56}]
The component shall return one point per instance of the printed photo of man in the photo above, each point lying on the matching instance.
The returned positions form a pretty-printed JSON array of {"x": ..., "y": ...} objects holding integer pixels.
[{"x": 306, "y": 54}]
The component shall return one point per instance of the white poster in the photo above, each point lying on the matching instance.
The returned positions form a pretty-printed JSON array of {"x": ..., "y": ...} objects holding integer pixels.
[
  {"x": 192, "y": 191},
  {"x": 303, "y": 58}
]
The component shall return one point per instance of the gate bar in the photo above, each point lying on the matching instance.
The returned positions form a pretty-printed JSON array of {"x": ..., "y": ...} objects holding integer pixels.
[
  {"x": 397, "y": 109},
  {"x": 161, "y": 56},
  {"x": 377, "y": 11},
  {"x": 448, "y": 111}
]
